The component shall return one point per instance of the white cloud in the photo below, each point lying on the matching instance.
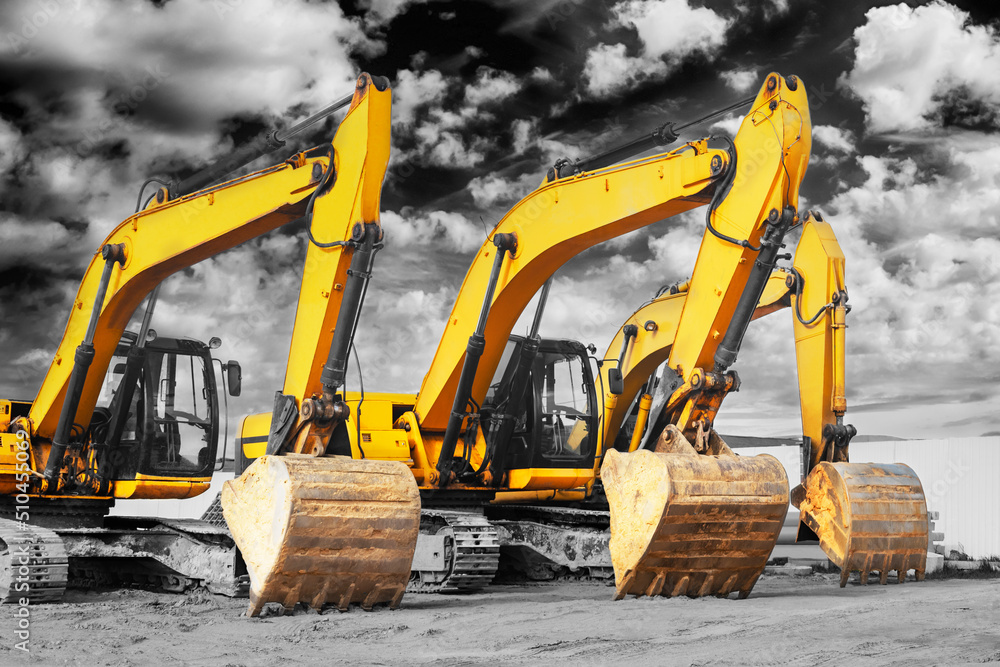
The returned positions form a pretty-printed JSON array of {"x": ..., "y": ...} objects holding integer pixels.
[
  {"x": 740, "y": 80},
  {"x": 669, "y": 31},
  {"x": 729, "y": 125},
  {"x": 673, "y": 28},
  {"x": 900, "y": 201},
  {"x": 491, "y": 86},
  {"x": 776, "y": 8},
  {"x": 394, "y": 357},
  {"x": 444, "y": 134},
  {"x": 609, "y": 70},
  {"x": 381, "y": 12},
  {"x": 446, "y": 149},
  {"x": 495, "y": 190},
  {"x": 834, "y": 138},
  {"x": 412, "y": 90},
  {"x": 541, "y": 75},
  {"x": 445, "y": 230},
  {"x": 153, "y": 84},
  {"x": 37, "y": 243},
  {"x": 489, "y": 189},
  {"x": 922, "y": 269},
  {"x": 912, "y": 62},
  {"x": 215, "y": 59}
]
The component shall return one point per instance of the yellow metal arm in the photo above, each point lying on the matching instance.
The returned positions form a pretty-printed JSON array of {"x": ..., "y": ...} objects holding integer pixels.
[
  {"x": 564, "y": 217},
  {"x": 159, "y": 242},
  {"x": 172, "y": 235},
  {"x": 816, "y": 291},
  {"x": 819, "y": 309},
  {"x": 361, "y": 155},
  {"x": 552, "y": 224},
  {"x": 772, "y": 151},
  {"x": 656, "y": 322}
]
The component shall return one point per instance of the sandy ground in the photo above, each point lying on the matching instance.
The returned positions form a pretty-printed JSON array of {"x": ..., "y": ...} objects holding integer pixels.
[{"x": 786, "y": 621}]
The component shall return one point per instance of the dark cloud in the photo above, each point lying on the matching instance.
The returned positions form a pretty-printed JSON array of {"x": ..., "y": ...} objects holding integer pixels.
[
  {"x": 487, "y": 95},
  {"x": 963, "y": 108}
]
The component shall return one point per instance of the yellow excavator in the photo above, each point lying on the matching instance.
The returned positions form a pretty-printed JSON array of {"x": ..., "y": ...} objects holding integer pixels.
[
  {"x": 866, "y": 517},
  {"x": 66, "y": 456},
  {"x": 329, "y": 510}
]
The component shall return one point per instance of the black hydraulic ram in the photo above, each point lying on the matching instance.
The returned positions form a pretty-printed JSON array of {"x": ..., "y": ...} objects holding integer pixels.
[
  {"x": 663, "y": 135},
  {"x": 777, "y": 225},
  {"x": 330, "y": 409},
  {"x": 112, "y": 254},
  {"x": 615, "y": 379},
  {"x": 358, "y": 275},
  {"x": 259, "y": 147},
  {"x": 474, "y": 350},
  {"x": 515, "y": 393},
  {"x": 110, "y": 456}
]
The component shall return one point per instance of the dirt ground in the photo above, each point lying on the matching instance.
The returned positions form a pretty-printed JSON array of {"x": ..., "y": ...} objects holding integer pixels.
[{"x": 786, "y": 620}]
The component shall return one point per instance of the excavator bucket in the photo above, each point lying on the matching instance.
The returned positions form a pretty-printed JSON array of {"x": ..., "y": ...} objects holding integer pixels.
[
  {"x": 324, "y": 530},
  {"x": 691, "y": 524},
  {"x": 868, "y": 517}
]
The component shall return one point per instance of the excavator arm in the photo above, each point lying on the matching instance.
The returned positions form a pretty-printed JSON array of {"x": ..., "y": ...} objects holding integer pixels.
[
  {"x": 329, "y": 529},
  {"x": 172, "y": 234},
  {"x": 689, "y": 517},
  {"x": 867, "y": 517},
  {"x": 752, "y": 189},
  {"x": 644, "y": 342}
]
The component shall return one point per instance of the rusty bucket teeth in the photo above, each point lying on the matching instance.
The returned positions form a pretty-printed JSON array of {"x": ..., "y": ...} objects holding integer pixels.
[
  {"x": 695, "y": 525},
  {"x": 324, "y": 530},
  {"x": 869, "y": 518}
]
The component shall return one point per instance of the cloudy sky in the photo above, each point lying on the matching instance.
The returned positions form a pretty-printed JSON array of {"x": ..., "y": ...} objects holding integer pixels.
[{"x": 97, "y": 95}]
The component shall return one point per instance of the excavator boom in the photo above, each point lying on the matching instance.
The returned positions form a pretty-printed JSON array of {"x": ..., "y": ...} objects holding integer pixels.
[{"x": 337, "y": 530}]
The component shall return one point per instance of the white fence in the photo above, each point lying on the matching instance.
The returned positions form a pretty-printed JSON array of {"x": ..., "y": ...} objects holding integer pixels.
[{"x": 959, "y": 476}]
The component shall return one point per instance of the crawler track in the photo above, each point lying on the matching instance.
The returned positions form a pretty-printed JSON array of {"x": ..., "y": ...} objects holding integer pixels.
[
  {"x": 33, "y": 563},
  {"x": 472, "y": 553}
]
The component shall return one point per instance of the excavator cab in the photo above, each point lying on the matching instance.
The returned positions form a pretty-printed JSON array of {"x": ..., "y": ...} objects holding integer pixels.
[
  {"x": 555, "y": 420},
  {"x": 167, "y": 401}
]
